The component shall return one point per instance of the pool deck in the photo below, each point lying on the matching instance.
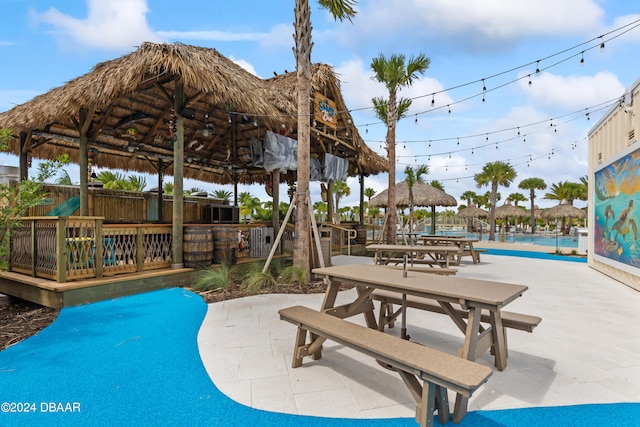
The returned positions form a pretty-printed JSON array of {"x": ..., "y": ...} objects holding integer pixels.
[{"x": 584, "y": 351}]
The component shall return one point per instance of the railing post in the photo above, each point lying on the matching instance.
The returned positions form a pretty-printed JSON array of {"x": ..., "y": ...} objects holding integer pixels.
[
  {"x": 34, "y": 248},
  {"x": 61, "y": 250},
  {"x": 140, "y": 249},
  {"x": 98, "y": 254}
]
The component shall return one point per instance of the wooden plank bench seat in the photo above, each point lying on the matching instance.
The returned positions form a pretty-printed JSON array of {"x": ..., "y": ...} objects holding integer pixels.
[
  {"x": 439, "y": 371},
  {"x": 387, "y": 315},
  {"x": 421, "y": 261},
  {"x": 523, "y": 322},
  {"x": 444, "y": 271}
]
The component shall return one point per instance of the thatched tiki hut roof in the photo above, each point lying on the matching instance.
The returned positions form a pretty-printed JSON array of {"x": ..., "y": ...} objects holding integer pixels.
[
  {"x": 130, "y": 100},
  {"x": 423, "y": 195}
]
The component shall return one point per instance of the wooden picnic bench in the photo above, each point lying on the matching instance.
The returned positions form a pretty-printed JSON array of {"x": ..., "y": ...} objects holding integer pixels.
[
  {"x": 387, "y": 315},
  {"x": 439, "y": 371},
  {"x": 444, "y": 271}
]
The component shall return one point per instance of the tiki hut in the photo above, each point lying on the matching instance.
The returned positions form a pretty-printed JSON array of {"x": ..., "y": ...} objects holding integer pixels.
[
  {"x": 423, "y": 195},
  {"x": 472, "y": 212},
  {"x": 563, "y": 210},
  {"x": 132, "y": 105}
]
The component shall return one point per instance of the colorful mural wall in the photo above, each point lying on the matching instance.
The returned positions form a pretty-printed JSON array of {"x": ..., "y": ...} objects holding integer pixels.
[{"x": 617, "y": 194}]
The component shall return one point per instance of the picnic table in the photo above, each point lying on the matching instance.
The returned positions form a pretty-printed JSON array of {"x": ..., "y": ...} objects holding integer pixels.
[
  {"x": 464, "y": 245},
  {"x": 471, "y": 295},
  {"x": 431, "y": 255}
]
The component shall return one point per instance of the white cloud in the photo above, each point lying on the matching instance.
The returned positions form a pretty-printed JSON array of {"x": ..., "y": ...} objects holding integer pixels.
[
  {"x": 472, "y": 24},
  {"x": 114, "y": 24},
  {"x": 573, "y": 92},
  {"x": 244, "y": 64},
  {"x": 280, "y": 35},
  {"x": 211, "y": 35}
]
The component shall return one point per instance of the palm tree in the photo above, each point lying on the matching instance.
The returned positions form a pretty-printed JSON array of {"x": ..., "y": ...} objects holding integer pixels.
[
  {"x": 341, "y": 10},
  {"x": 137, "y": 182},
  {"x": 248, "y": 205},
  {"x": 369, "y": 193},
  {"x": 437, "y": 184},
  {"x": 516, "y": 198},
  {"x": 64, "y": 179},
  {"x": 320, "y": 208},
  {"x": 222, "y": 194},
  {"x": 532, "y": 184},
  {"x": 395, "y": 72},
  {"x": 340, "y": 189},
  {"x": 167, "y": 188},
  {"x": 495, "y": 174},
  {"x": 414, "y": 176}
]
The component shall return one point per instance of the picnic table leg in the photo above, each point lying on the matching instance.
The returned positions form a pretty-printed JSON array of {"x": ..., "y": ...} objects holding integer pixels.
[
  {"x": 499, "y": 340},
  {"x": 469, "y": 353}
]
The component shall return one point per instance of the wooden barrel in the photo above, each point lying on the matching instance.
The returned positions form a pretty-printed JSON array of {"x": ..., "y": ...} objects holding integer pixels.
[
  {"x": 225, "y": 244},
  {"x": 361, "y": 236},
  {"x": 197, "y": 246}
]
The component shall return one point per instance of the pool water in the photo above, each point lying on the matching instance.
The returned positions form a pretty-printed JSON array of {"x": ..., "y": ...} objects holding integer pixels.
[{"x": 560, "y": 241}]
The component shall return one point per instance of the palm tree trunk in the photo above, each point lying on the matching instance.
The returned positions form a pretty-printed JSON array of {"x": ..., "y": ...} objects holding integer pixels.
[
  {"x": 492, "y": 211},
  {"x": 391, "y": 154},
  {"x": 303, "y": 63}
]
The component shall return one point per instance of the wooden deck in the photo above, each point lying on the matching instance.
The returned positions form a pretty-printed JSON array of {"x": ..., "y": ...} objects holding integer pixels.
[{"x": 58, "y": 295}]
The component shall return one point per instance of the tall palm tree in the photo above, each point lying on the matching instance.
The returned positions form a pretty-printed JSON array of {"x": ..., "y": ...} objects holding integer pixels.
[
  {"x": 340, "y": 189},
  {"x": 320, "y": 208},
  {"x": 532, "y": 184},
  {"x": 341, "y": 10},
  {"x": 395, "y": 73},
  {"x": 414, "y": 176},
  {"x": 369, "y": 193},
  {"x": 495, "y": 174}
]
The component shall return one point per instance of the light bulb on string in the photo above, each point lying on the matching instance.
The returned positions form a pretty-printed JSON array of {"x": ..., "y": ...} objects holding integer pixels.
[
  {"x": 582, "y": 58},
  {"x": 588, "y": 118},
  {"x": 484, "y": 87},
  {"x": 366, "y": 130},
  {"x": 601, "y": 44},
  {"x": 449, "y": 108},
  {"x": 518, "y": 130},
  {"x": 433, "y": 100},
  {"x": 530, "y": 80},
  {"x": 458, "y": 141},
  {"x": 538, "y": 66}
]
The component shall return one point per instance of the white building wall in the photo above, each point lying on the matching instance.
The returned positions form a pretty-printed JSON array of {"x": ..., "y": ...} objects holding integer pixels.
[{"x": 616, "y": 132}]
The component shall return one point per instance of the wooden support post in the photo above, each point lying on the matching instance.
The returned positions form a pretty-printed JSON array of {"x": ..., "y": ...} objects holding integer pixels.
[
  {"x": 84, "y": 164},
  {"x": 24, "y": 166},
  {"x": 275, "y": 216},
  {"x": 62, "y": 254},
  {"x": 139, "y": 249},
  {"x": 178, "y": 175},
  {"x": 161, "y": 168},
  {"x": 99, "y": 250}
]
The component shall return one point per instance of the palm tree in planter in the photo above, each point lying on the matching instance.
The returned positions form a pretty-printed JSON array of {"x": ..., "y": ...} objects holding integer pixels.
[
  {"x": 495, "y": 174},
  {"x": 532, "y": 184},
  {"x": 395, "y": 73},
  {"x": 341, "y": 10}
]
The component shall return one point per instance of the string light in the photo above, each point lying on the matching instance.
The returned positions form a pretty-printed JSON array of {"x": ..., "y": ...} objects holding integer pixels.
[
  {"x": 601, "y": 44},
  {"x": 433, "y": 100},
  {"x": 582, "y": 58}
]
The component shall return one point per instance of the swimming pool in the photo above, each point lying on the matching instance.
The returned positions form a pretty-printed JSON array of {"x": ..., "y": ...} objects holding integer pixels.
[{"x": 537, "y": 239}]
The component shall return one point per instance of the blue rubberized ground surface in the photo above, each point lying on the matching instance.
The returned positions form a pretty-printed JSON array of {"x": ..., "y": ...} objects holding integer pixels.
[{"x": 135, "y": 361}]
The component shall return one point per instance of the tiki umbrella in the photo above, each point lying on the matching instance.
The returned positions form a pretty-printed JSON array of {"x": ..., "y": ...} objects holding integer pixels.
[
  {"x": 472, "y": 211},
  {"x": 563, "y": 210},
  {"x": 423, "y": 195},
  {"x": 509, "y": 211}
]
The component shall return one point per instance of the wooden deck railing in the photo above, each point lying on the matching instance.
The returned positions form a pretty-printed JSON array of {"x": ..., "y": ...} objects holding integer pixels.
[
  {"x": 340, "y": 236},
  {"x": 64, "y": 248}
]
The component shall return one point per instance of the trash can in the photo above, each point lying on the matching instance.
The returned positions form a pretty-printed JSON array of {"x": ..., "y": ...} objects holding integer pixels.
[
  {"x": 583, "y": 241},
  {"x": 325, "y": 247}
]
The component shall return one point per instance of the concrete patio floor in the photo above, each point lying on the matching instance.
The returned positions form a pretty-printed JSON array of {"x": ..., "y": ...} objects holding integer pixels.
[{"x": 584, "y": 351}]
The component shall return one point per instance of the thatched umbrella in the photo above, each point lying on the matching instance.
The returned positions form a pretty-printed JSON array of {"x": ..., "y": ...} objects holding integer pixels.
[
  {"x": 563, "y": 210},
  {"x": 472, "y": 211},
  {"x": 509, "y": 211},
  {"x": 423, "y": 195}
]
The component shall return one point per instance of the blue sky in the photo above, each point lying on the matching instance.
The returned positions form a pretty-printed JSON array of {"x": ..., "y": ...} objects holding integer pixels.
[{"x": 540, "y": 128}]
